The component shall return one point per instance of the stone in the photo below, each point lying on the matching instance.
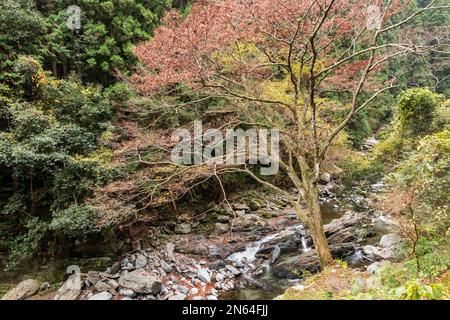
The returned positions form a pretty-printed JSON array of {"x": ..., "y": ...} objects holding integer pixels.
[
  {"x": 178, "y": 297},
  {"x": 141, "y": 282},
  {"x": 183, "y": 228},
  {"x": 220, "y": 277},
  {"x": 235, "y": 271},
  {"x": 115, "y": 267},
  {"x": 141, "y": 261},
  {"x": 369, "y": 250},
  {"x": 183, "y": 289},
  {"x": 389, "y": 240},
  {"x": 211, "y": 297},
  {"x": 165, "y": 266},
  {"x": 221, "y": 227},
  {"x": 71, "y": 289},
  {"x": 170, "y": 248},
  {"x": 101, "y": 296},
  {"x": 204, "y": 275},
  {"x": 127, "y": 293},
  {"x": 23, "y": 290},
  {"x": 276, "y": 252},
  {"x": 113, "y": 283},
  {"x": 325, "y": 178}
]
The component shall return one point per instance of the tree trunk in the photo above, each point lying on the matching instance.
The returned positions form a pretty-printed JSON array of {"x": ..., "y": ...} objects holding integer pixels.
[{"x": 315, "y": 225}]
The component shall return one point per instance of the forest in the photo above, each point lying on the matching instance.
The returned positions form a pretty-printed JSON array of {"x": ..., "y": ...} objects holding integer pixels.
[{"x": 224, "y": 150}]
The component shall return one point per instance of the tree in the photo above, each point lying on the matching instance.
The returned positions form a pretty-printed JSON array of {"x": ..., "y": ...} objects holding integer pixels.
[{"x": 281, "y": 59}]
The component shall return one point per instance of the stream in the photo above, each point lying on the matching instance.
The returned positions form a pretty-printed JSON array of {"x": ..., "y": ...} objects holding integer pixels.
[{"x": 265, "y": 285}]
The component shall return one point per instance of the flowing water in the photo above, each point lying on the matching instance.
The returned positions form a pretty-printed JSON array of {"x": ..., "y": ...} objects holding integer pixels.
[{"x": 266, "y": 285}]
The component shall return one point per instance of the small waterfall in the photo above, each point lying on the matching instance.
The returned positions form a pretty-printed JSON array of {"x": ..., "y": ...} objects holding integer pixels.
[
  {"x": 248, "y": 256},
  {"x": 305, "y": 247}
]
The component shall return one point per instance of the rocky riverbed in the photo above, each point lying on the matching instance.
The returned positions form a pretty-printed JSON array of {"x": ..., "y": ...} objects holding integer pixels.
[{"x": 253, "y": 250}]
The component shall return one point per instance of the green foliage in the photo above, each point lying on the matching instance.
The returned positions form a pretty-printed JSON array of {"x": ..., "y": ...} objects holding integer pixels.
[
  {"x": 415, "y": 112},
  {"x": 77, "y": 221}
]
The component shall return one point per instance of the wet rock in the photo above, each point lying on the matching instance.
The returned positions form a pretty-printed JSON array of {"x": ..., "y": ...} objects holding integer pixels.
[
  {"x": 183, "y": 228},
  {"x": 101, "y": 296},
  {"x": 23, "y": 290},
  {"x": 221, "y": 227},
  {"x": 293, "y": 267},
  {"x": 235, "y": 271},
  {"x": 275, "y": 254},
  {"x": 141, "y": 282},
  {"x": 204, "y": 275}
]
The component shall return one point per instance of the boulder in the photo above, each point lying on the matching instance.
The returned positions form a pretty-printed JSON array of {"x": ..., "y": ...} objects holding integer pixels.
[
  {"x": 275, "y": 254},
  {"x": 165, "y": 266},
  {"x": 23, "y": 290},
  {"x": 141, "y": 282},
  {"x": 71, "y": 289},
  {"x": 293, "y": 267},
  {"x": 101, "y": 296}
]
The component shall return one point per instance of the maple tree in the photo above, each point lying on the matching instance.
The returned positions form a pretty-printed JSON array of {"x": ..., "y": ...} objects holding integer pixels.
[{"x": 288, "y": 64}]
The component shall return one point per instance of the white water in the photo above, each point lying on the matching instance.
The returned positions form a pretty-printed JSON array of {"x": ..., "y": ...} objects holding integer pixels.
[
  {"x": 248, "y": 256},
  {"x": 305, "y": 245}
]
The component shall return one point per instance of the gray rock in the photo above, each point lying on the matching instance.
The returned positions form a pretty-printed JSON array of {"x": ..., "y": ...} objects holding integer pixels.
[
  {"x": 141, "y": 282},
  {"x": 170, "y": 247},
  {"x": 127, "y": 293},
  {"x": 141, "y": 261},
  {"x": 389, "y": 240},
  {"x": 113, "y": 283},
  {"x": 204, "y": 275},
  {"x": 101, "y": 296},
  {"x": 183, "y": 228},
  {"x": 233, "y": 270},
  {"x": 369, "y": 250},
  {"x": 383, "y": 223},
  {"x": 101, "y": 286},
  {"x": 71, "y": 289},
  {"x": 221, "y": 227},
  {"x": 165, "y": 266},
  {"x": 23, "y": 290},
  {"x": 183, "y": 289},
  {"x": 276, "y": 252}
]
